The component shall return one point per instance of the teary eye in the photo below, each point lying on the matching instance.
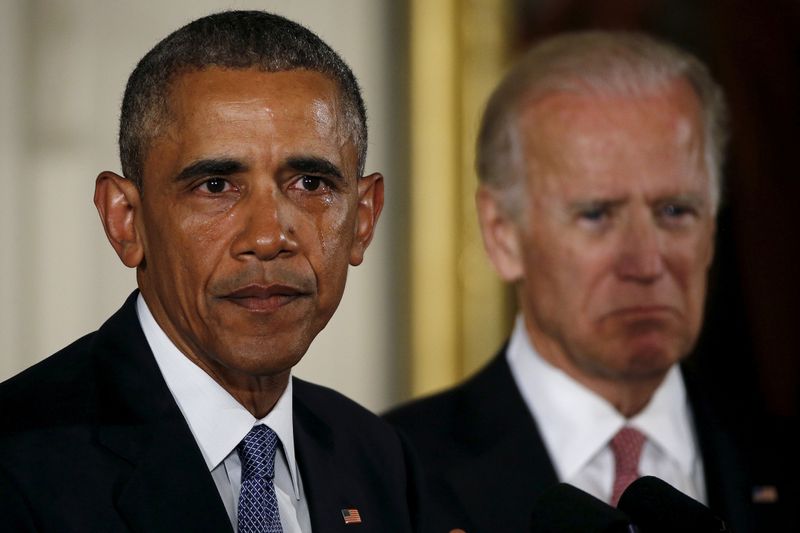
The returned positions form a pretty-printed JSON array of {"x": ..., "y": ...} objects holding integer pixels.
[
  {"x": 311, "y": 183},
  {"x": 215, "y": 185}
]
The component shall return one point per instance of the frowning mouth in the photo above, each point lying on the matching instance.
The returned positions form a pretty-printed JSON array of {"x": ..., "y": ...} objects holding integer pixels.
[
  {"x": 643, "y": 311},
  {"x": 264, "y": 298}
]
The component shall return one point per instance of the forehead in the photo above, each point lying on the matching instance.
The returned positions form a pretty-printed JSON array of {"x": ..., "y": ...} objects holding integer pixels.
[
  {"x": 251, "y": 94},
  {"x": 220, "y": 110},
  {"x": 581, "y": 137}
]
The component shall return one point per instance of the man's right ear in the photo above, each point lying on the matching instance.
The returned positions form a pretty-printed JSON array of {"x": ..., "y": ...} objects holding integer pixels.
[
  {"x": 118, "y": 202},
  {"x": 501, "y": 235}
]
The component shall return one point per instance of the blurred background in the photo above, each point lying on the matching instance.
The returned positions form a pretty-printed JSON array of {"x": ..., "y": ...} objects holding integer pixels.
[{"x": 424, "y": 309}]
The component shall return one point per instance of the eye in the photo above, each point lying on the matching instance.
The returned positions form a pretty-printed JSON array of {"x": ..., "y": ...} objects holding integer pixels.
[
  {"x": 675, "y": 210},
  {"x": 215, "y": 185},
  {"x": 312, "y": 184},
  {"x": 676, "y": 214},
  {"x": 594, "y": 213}
]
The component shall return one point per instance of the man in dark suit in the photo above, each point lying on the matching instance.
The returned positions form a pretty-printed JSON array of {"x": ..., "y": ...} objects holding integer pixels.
[
  {"x": 599, "y": 160},
  {"x": 243, "y": 141}
]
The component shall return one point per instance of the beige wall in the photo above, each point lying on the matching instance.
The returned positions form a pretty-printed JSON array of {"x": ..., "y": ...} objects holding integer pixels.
[{"x": 64, "y": 65}]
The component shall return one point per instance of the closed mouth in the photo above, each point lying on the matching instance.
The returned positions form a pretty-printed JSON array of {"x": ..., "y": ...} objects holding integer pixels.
[{"x": 264, "y": 298}]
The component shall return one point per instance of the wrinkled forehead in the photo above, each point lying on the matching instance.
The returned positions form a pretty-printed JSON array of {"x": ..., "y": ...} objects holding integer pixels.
[
  {"x": 208, "y": 109},
  {"x": 252, "y": 94},
  {"x": 191, "y": 90},
  {"x": 552, "y": 124}
]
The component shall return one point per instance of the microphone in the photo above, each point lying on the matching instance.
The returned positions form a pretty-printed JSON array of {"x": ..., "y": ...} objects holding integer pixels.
[
  {"x": 655, "y": 506},
  {"x": 566, "y": 509}
]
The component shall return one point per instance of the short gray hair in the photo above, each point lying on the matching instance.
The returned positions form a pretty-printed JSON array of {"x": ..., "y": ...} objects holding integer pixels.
[{"x": 599, "y": 62}]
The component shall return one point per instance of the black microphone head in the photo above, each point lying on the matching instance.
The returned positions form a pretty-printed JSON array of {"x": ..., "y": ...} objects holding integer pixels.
[
  {"x": 567, "y": 509},
  {"x": 655, "y": 506}
]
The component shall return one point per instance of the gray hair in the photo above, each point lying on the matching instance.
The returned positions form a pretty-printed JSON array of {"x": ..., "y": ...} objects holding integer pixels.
[
  {"x": 234, "y": 40},
  {"x": 592, "y": 62}
]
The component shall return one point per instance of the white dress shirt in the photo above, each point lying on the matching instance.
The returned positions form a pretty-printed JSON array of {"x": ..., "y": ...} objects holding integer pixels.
[
  {"x": 576, "y": 425},
  {"x": 219, "y": 422}
]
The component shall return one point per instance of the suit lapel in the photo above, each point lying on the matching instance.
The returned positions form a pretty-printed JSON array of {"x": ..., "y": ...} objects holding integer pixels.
[
  {"x": 326, "y": 482},
  {"x": 498, "y": 484},
  {"x": 727, "y": 486},
  {"x": 168, "y": 487},
  {"x": 164, "y": 484},
  {"x": 508, "y": 467}
]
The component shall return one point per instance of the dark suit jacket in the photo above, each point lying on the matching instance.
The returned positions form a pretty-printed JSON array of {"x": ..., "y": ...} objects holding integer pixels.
[
  {"x": 91, "y": 439},
  {"x": 486, "y": 463}
]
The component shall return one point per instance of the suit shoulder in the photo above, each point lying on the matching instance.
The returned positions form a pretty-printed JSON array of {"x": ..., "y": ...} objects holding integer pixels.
[
  {"x": 437, "y": 412},
  {"x": 336, "y": 408},
  {"x": 49, "y": 390},
  {"x": 429, "y": 411}
]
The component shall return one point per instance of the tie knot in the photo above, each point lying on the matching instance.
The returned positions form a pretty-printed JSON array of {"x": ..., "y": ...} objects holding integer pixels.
[
  {"x": 627, "y": 448},
  {"x": 257, "y": 453}
]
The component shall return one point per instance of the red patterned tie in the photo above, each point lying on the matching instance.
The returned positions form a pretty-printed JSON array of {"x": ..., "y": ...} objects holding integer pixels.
[{"x": 627, "y": 448}]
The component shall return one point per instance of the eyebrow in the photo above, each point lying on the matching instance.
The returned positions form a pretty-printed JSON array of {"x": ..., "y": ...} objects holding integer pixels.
[
  {"x": 210, "y": 167},
  {"x": 315, "y": 165},
  {"x": 599, "y": 203},
  {"x": 695, "y": 200}
]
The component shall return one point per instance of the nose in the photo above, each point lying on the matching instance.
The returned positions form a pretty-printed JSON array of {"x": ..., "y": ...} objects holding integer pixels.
[
  {"x": 266, "y": 231},
  {"x": 641, "y": 257}
]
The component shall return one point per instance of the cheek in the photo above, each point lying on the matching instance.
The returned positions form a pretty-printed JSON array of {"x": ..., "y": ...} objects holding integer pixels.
[
  {"x": 328, "y": 237},
  {"x": 586, "y": 271},
  {"x": 336, "y": 227},
  {"x": 191, "y": 248},
  {"x": 557, "y": 274},
  {"x": 689, "y": 262}
]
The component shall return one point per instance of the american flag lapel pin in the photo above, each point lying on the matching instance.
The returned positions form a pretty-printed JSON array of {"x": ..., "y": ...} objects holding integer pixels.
[
  {"x": 351, "y": 516},
  {"x": 765, "y": 494}
]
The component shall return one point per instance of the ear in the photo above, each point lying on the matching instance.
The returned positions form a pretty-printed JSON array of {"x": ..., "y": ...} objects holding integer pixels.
[
  {"x": 501, "y": 235},
  {"x": 118, "y": 201},
  {"x": 370, "y": 205}
]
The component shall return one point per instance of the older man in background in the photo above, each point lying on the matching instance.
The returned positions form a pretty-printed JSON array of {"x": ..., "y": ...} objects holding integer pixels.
[{"x": 599, "y": 159}]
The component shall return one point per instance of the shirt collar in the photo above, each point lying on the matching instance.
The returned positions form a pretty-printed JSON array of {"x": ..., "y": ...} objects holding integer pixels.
[
  {"x": 667, "y": 421},
  {"x": 218, "y": 422},
  {"x": 576, "y": 423}
]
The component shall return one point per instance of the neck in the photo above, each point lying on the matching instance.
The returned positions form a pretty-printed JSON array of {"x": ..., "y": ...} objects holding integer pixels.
[
  {"x": 629, "y": 394},
  {"x": 257, "y": 394},
  {"x": 629, "y": 398}
]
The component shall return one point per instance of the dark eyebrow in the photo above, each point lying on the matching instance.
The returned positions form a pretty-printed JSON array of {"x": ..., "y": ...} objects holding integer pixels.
[
  {"x": 210, "y": 167},
  {"x": 315, "y": 166}
]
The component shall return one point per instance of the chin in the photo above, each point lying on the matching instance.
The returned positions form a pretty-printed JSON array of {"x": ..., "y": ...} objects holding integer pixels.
[
  {"x": 260, "y": 358},
  {"x": 648, "y": 365},
  {"x": 649, "y": 358}
]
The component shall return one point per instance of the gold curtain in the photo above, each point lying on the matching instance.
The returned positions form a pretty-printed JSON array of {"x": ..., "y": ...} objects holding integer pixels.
[{"x": 460, "y": 311}]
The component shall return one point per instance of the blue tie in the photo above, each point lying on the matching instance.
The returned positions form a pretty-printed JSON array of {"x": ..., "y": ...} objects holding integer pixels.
[{"x": 258, "y": 506}]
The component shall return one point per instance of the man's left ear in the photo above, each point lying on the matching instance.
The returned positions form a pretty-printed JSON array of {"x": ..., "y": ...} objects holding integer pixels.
[{"x": 370, "y": 205}]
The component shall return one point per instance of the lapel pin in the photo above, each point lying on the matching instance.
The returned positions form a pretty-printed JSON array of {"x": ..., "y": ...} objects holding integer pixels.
[
  {"x": 351, "y": 516},
  {"x": 765, "y": 494}
]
